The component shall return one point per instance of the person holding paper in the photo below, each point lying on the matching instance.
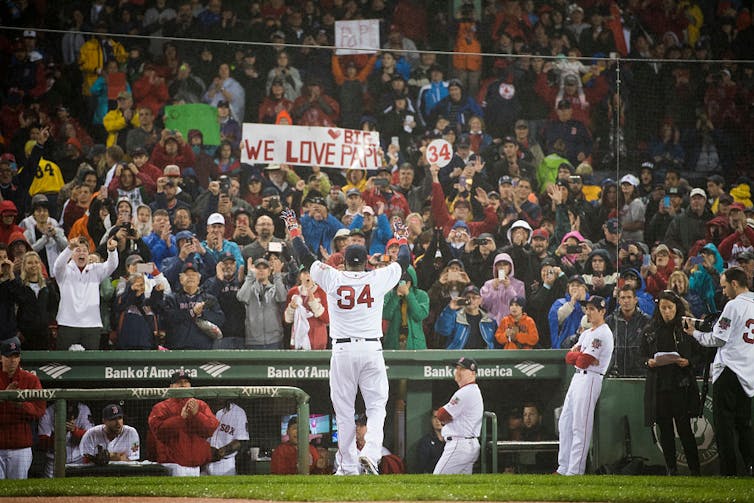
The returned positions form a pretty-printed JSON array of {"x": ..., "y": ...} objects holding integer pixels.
[{"x": 671, "y": 394}]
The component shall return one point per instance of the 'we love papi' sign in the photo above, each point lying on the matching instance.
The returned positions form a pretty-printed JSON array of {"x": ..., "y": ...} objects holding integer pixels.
[{"x": 326, "y": 147}]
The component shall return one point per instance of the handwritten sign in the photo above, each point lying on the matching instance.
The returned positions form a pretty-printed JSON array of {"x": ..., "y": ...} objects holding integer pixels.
[
  {"x": 361, "y": 36},
  {"x": 326, "y": 147},
  {"x": 439, "y": 152}
]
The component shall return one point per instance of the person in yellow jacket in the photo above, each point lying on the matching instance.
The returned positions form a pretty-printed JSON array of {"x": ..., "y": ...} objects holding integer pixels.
[
  {"x": 95, "y": 53},
  {"x": 119, "y": 121}
]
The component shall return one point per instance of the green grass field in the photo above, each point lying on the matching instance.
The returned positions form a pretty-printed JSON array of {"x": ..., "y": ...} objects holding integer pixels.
[{"x": 401, "y": 487}]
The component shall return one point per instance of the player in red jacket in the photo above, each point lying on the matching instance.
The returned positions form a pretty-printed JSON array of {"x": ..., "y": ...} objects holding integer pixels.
[
  {"x": 285, "y": 456},
  {"x": 179, "y": 429},
  {"x": 16, "y": 417}
]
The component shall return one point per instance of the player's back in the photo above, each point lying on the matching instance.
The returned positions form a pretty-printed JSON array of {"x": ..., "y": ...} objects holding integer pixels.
[
  {"x": 736, "y": 327},
  {"x": 355, "y": 298}
]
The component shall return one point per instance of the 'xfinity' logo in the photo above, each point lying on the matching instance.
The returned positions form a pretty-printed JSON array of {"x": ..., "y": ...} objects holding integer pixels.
[
  {"x": 529, "y": 368},
  {"x": 55, "y": 370},
  {"x": 215, "y": 369}
]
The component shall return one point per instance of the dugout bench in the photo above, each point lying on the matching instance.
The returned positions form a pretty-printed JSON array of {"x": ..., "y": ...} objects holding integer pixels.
[{"x": 493, "y": 447}]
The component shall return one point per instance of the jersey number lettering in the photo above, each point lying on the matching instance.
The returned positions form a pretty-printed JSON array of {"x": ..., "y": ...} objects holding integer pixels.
[
  {"x": 41, "y": 171},
  {"x": 348, "y": 298},
  {"x": 748, "y": 339}
]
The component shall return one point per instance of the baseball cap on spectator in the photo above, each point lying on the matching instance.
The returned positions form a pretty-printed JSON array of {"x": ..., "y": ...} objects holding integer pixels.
[
  {"x": 519, "y": 301},
  {"x": 272, "y": 167},
  {"x": 357, "y": 232},
  {"x": 269, "y": 191},
  {"x": 521, "y": 124},
  {"x": 629, "y": 272},
  {"x": 261, "y": 262},
  {"x": 10, "y": 347},
  {"x": 139, "y": 151},
  {"x": 277, "y": 81},
  {"x": 215, "y": 218},
  {"x": 562, "y": 183},
  {"x": 505, "y": 179},
  {"x": 342, "y": 233},
  {"x": 353, "y": 192},
  {"x": 355, "y": 255},
  {"x": 193, "y": 133},
  {"x": 317, "y": 200},
  {"x": 613, "y": 226},
  {"x": 460, "y": 224},
  {"x": 172, "y": 170},
  {"x": 124, "y": 95},
  {"x": 463, "y": 142},
  {"x": 745, "y": 256},
  {"x": 698, "y": 192},
  {"x": 227, "y": 256},
  {"x": 134, "y": 259},
  {"x": 190, "y": 266},
  {"x": 540, "y": 234},
  {"x": 675, "y": 191},
  {"x": 630, "y": 179},
  {"x": 457, "y": 262},
  {"x": 40, "y": 201},
  {"x": 737, "y": 207},
  {"x": 566, "y": 166},
  {"x": 662, "y": 248},
  {"x": 8, "y": 157},
  {"x": 180, "y": 375},
  {"x": 367, "y": 210},
  {"x": 564, "y": 105},
  {"x": 719, "y": 180},
  {"x": 391, "y": 242},
  {"x": 183, "y": 235},
  {"x": 493, "y": 194},
  {"x": 597, "y": 301},
  {"x": 576, "y": 278},
  {"x": 277, "y": 34},
  {"x": 647, "y": 165},
  {"x": 471, "y": 290},
  {"x": 223, "y": 104},
  {"x": 8, "y": 208},
  {"x": 30, "y": 34},
  {"x": 607, "y": 181},
  {"x": 112, "y": 411},
  {"x": 467, "y": 363},
  {"x": 486, "y": 235}
]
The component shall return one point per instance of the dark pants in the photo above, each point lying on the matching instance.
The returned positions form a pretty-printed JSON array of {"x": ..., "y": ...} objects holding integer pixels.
[
  {"x": 672, "y": 407},
  {"x": 87, "y": 337},
  {"x": 732, "y": 415}
]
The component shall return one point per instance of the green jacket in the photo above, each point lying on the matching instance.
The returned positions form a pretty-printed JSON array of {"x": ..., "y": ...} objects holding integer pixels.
[
  {"x": 547, "y": 172},
  {"x": 418, "y": 310}
]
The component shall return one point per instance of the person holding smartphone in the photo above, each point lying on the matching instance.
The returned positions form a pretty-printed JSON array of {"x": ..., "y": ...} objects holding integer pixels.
[{"x": 465, "y": 324}]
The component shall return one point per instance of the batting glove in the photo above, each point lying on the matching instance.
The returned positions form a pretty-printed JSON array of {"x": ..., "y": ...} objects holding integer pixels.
[{"x": 291, "y": 222}]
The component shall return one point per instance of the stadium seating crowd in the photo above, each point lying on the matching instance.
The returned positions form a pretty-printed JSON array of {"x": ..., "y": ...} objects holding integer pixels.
[{"x": 599, "y": 147}]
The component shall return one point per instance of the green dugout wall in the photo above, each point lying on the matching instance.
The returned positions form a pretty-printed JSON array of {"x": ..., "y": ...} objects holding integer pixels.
[{"x": 420, "y": 379}]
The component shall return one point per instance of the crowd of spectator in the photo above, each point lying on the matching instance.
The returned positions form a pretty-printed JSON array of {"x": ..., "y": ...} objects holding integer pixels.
[{"x": 116, "y": 232}]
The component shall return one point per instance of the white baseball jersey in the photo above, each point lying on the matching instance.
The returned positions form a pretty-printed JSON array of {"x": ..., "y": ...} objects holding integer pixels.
[
  {"x": 72, "y": 447},
  {"x": 734, "y": 334},
  {"x": 598, "y": 342},
  {"x": 467, "y": 409},
  {"x": 355, "y": 298},
  {"x": 127, "y": 441},
  {"x": 233, "y": 426}
]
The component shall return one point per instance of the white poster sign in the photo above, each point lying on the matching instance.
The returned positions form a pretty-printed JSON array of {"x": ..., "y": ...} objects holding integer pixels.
[
  {"x": 361, "y": 36},
  {"x": 326, "y": 147}
]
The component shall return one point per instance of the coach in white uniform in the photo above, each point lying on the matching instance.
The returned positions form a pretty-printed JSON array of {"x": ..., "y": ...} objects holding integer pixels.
[
  {"x": 120, "y": 440},
  {"x": 227, "y": 438},
  {"x": 354, "y": 300},
  {"x": 591, "y": 356},
  {"x": 462, "y": 422},
  {"x": 732, "y": 371}
]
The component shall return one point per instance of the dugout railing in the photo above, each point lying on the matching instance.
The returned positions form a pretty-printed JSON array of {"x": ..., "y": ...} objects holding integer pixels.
[{"x": 61, "y": 397}]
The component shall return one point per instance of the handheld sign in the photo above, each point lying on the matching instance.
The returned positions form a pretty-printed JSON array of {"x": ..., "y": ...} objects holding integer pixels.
[{"x": 439, "y": 152}]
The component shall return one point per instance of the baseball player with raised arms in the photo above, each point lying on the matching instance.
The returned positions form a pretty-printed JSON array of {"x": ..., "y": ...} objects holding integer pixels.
[
  {"x": 232, "y": 430},
  {"x": 591, "y": 356},
  {"x": 461, "y": 418},
  {"x": 355, "y": 299}
]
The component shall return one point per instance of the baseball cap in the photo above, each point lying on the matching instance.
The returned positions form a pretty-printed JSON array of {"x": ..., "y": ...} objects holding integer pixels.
[
  {"x": 733, "y": 206},
  {"x": 662, "y": 248},
  {"x": 353, "y": 192},
  {"x": 460, "y": 224},
  {"x": 629, "y": 272},
  {"x": 698, "y": 192},
  {"x": 112, "y": 411},
  {"x": 597, "y": 301},
  {"x": 367, "y": 210},
  {"x": 261, "y": 262},
  {"x": 184, "y": 235},
  {"x": 521, "y": 124},
  {"x": 140, "y": 151},
  {"x": 540, "y": 234},
  {"x": 180, "y": 375},
  {"x": 630, "y": 179},
  {"x": 647, "y": 165},
  {"x": 41, "y": 200},
  {"x": 172, "y": 170},
  {"x": 10, "y": 347},
  {"x": 505, "y": 179},
  {"x": 463, "y": 142},
  {"x": 467, "y": 363},
  {"x": 269, "y": 191},
  {"x": 674, "y": 191},
  {"x": 30, "y": 34},
  {"x": 471, "y": 289},
  {"x": 745, "y": 256},
  {"x": 357, "y": 232},
  {"x": 486, "y": 235},
  {"x": 134, "y": 259},
  {"x": 576, "y": 278},
  {"x": 456, "y": 262},
  {"x": 215, "y": 218},
  {"x": 613, "y": 226},
  {"x": 8, "y": 157},
  {"x": 227, "y": 256},
  {"x": 272, "y": 167},
  {"x": 356, "y": 255},
  {"x": 519, "y": 301},
  {"x": 190, "y": 266},
  {"x": 223, "y": 103},
  {"x": 493, "y": 194},
  {"x": 510, "y": 139},
  {"x": 342, "y": 233}
]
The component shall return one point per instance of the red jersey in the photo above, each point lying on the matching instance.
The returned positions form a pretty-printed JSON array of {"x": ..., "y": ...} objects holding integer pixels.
[
  {"x": 178, "y": 440},
  {"x": 16, "y": 417},
  {"x": 285, "y": 459}
]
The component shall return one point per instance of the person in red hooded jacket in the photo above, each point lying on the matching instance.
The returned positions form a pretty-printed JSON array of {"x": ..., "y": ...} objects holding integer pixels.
[
  {"x": 179, "y": 429},
  {"x": 8, "y": 215}
]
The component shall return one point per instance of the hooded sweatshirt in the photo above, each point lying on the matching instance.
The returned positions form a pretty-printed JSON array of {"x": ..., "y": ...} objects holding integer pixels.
[
  {"x": 7, "y": 230},
  {"x": 496, "y": 296}
]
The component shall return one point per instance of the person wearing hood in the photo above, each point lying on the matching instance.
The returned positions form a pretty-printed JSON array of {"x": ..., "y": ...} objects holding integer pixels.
[
  {"x": 465, "y": 323},
  {"x": 566, "y": 313},
  {"x": 632, "y": 277},
  {"x": 704, "y": 272},
  {"x": 716, "y": 230},
  {"x": 599, "y": 274},
  {"x": 659, "y": 270},
  {"x": 406, "y": 307},
  {"x": 498, "y": 292},
  {"x": 43, "y": 232},
  {"x": 519, "y": 236},
  {"x": 741, "y": 238},
  {"x": 572, "y": 252},
  {"x": 18, "y": 246},
  {"x": 688, "y": 227},
  {"x": 461, "y": 209},
  {"x": 457, "y": 107},
  {"x": 8, "y": 215}
]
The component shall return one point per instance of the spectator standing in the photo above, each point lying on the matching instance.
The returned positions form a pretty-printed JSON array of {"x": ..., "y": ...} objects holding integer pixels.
[
  {"x": 263, "y": 292},
  {"x": 226, "y": 88},
  {"x": 137, "y": 325},
  {"x": 121, "y": 441},
  {"x": 565, "y": 314},
  {"x": 120, "y": 121},
  {"x": 517, "y": 330},
  {"x": 504, "y": 286},
  {"x": 406, "y": 307},
  {"x": 224, "y": 286},
  {"x": 36, "y": 300},
  {"x": 216, "y": 244},
  {"x": 189, "y": 250},
  {"x": 627, "y": 323},
  {"x": 307, "y": 312},
  {"x": 688, "y": 227},
  {"x": 79, "y": 320},
  {"x": 43, "y": 232},
  {"x": 465, "y": 323},
  {"x": 552, "y": 287},
  {"x": 16, "y": 417},
  {"x": 314, "y": 107},
  {"x": 180, "y": 428}
]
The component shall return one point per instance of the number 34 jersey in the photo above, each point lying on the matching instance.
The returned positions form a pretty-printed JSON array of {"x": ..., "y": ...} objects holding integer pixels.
[
  {"x": 355, "y": 298},
  {"x": 736, "y": 327}
]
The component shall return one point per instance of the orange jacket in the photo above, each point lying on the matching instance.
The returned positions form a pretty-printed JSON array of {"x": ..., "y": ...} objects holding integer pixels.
[
  {"x": 527, "y": 335},
  {"x": 467, "y": 41}
]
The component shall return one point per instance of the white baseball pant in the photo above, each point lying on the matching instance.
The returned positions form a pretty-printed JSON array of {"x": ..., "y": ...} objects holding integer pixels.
[
  {"x": 458, "y": 456},
  {"x": 358, "y": 366},
  {"x": 576, "y": 422},
  {"x": 15, "y": 463},
  {"x": 177, "y": 470},
  {"x": 225, "y": 466}
]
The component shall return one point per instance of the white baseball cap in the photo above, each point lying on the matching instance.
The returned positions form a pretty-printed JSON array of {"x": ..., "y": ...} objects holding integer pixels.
[
  {"x": 698, "y": 192},
  {"x": 216, "y": 218},
  {"x": 367, "y": 209},
  {"x": 630, "y": 179}
]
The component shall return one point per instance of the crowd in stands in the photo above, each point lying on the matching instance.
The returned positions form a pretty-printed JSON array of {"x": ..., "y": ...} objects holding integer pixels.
[{"x": 175, "y": 243}]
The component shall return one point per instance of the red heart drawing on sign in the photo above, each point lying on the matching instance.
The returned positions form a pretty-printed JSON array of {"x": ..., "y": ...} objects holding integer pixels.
[{"x": 334, "y": 133}]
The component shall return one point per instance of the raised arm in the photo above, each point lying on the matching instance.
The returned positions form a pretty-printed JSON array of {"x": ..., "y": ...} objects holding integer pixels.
[{"x": 302, "y": 252}]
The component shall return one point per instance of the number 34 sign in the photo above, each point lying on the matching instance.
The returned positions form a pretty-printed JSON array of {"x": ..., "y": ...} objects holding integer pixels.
[{"x": 439, "y": 152}]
